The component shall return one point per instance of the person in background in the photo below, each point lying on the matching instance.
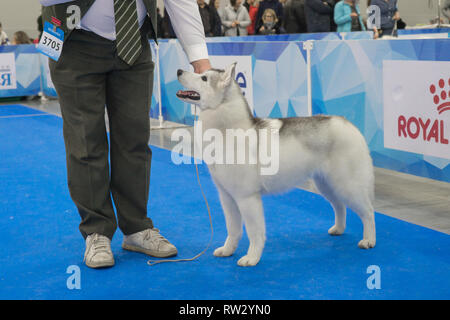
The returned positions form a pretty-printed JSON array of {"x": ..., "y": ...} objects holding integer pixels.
[
  {"x": 219, "y": 27},
  {"x": 333, "y": 26},
  {"x": 159, "y": 24},
  {"x": 167, "y": 29},
  {"x": 3, "y": 36},
  {"x": 210, "y": 18},
  {"x": 446, "y": 10},
  {"x": 217, "y": 6},
  {"x": 347, "y": 16},
  {"x": 247, "y": 4},
  {"x": 235, "y": 19},
  {"x": 20, "y": 37},
  {"x": 318, "y": 15},
  {"x": 376, "y": 35},
  {"x": 389, "y": 16},
  {"x": 252, "y": 8},
  {"x": 276, "y": 6},
  {"x": 269, "y": 23},
  {"x": 220, "y": 13},
  {"x": 294, "y": 16}
]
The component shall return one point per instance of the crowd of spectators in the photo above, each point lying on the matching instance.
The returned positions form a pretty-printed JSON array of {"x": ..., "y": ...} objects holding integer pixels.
[
  {"x": 266, "y": 17},
  {"x": 19, "y": 37}
]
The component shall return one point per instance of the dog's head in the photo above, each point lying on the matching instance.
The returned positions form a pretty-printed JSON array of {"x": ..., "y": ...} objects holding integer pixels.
[{"x": 207, "y": 90}]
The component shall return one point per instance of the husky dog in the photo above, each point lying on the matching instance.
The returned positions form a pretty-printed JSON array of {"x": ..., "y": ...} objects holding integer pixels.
[{"x": 327, "y": 149}]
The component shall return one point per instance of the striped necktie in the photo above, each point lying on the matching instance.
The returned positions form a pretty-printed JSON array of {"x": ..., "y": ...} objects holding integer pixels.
[{"x": 128, "y": 36}]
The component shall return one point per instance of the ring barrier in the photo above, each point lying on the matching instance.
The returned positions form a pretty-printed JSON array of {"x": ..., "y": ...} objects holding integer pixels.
[{"x": 374, "y": 84}]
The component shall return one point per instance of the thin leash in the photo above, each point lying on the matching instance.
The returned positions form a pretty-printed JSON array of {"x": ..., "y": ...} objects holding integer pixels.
[{"x": 154, "y": 262}]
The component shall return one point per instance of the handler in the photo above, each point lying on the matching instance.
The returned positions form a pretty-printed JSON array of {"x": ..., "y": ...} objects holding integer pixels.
[{"x": 107, "y": 60}]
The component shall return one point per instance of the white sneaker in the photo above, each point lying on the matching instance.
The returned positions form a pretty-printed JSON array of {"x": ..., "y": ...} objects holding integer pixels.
[
  {"x": 150, "y": 242},
  {"x": 98, "y": 251}
]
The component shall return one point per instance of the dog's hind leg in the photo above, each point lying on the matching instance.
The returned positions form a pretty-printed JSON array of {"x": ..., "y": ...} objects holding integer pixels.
[
  {"x": 252, "y": 212},
  {"x": 358, "y": 198},
  {"x": 233, "y": 221},
  {"x": 340, "y": 211},
  {"x": 364, "y": 210}
]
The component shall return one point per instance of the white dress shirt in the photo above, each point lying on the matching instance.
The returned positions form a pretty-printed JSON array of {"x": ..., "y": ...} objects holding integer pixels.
[{"x": 184, "y": 16}]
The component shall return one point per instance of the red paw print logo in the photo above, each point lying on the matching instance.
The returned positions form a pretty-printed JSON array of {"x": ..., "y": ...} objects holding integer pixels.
[{"x": 441, "y": 95}]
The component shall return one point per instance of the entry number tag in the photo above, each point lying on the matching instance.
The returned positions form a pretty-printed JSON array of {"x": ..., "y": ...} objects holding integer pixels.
[{"x": 51, "y": 42}]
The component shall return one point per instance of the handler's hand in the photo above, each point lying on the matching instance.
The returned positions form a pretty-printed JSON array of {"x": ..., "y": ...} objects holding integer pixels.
[{"x": 201, "y": 65}]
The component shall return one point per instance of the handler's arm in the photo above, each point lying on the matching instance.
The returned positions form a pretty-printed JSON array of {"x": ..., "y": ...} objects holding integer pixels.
[{"x": 188, "y": 26}]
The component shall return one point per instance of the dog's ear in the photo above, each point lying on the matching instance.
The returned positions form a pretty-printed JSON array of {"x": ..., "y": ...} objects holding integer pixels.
[{"x": 229, "y": 75}]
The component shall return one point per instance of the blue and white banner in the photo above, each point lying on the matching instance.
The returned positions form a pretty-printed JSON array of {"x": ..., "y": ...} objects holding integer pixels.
[
  {"x": 8, "y": 71},
  {"x": 432, "y": 33},
  {"x": 384, "y": 87},
  {"x": 20, "y": 73},
  {"x": 374, "y": 83},
  {"x": 271, "y": 75},
  {"x": 417, "y": 107},
  {"x": 362, "y": 35}
]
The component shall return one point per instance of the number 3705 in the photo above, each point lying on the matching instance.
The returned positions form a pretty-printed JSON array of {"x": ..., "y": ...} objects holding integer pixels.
[{"x": 51, "y": 43}]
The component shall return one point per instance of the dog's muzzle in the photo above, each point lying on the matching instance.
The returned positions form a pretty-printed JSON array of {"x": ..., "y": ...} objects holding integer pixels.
[{"x": 188, "y": 94}]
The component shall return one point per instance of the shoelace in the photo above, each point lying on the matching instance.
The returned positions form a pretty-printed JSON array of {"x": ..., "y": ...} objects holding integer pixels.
[
  {"x": 154, "y": 235},
  {"x": 99, "y": 244}
]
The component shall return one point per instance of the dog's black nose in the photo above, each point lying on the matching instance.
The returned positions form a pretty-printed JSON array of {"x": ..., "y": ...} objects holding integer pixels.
[{"x": 179, "y": 72}]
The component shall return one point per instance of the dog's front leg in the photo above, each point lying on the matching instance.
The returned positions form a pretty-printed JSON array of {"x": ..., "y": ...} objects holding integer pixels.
[
  {"x": 252, "y": 212},
  {"x": 233, "y": 220}
]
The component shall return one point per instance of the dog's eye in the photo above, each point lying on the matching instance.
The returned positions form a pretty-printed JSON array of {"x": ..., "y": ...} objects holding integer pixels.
[{"x": 204, "y": 78}]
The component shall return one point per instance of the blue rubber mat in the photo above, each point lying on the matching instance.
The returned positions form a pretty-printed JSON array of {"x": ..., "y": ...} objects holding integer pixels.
[
  {"x": 17, "y": 109},
  {"x": 39, "y": 239}
]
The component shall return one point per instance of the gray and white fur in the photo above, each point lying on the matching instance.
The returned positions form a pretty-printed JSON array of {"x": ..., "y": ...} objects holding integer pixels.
[{"x": 327, "y": 149}]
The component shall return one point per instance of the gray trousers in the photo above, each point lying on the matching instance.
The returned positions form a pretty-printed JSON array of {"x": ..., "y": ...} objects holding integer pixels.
[{"x": 88, "y": 77}]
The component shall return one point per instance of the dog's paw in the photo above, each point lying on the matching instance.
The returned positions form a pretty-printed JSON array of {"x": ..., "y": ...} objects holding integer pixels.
[
  {"x": 366, "y": 244},
  {"x": 248, "y": 261},
  {"x": 223, "y": 252},
  {"x": 335, "y": 231}
]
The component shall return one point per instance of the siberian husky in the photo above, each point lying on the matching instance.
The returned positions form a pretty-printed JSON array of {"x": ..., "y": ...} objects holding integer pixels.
[{"x": 327, "y": 149}]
